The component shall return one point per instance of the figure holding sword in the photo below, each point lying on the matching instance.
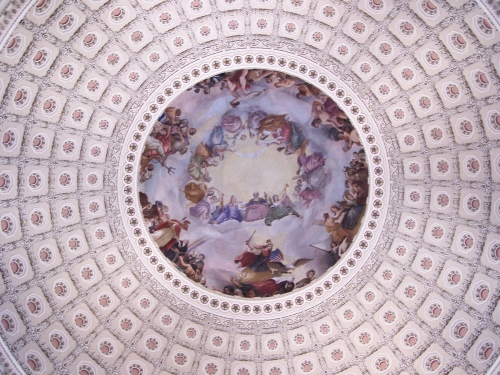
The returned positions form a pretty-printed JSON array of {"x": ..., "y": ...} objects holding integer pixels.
[
  {"x": 255, "y": 256},
  {"x": 248, "y": 241}
]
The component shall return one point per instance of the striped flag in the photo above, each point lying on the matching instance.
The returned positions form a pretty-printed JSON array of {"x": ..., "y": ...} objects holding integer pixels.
[{"x": 276, "y": 256}]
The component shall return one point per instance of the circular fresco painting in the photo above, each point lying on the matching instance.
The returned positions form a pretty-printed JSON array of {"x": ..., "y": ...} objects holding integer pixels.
[{"x": 253, "y": 183}]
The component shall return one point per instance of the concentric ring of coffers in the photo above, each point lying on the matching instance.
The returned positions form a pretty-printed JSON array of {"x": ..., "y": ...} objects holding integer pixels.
[{"x": 470, "y": 127}]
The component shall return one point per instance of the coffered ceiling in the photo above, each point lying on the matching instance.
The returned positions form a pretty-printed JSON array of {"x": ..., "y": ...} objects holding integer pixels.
[{"x": 84, "y": 291}]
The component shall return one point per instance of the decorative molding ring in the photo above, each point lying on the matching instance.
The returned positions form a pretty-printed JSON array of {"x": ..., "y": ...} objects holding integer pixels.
[{"x": 335, "y": 278}]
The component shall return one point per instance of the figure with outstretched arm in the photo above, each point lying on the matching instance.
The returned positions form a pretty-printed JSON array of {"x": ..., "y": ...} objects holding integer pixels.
[
  {"x": 280, "y": 206},
  {"x": 237, "y": 83},
  {"x": 255, "y": 257},
  {"x": 231, "y": 212}
]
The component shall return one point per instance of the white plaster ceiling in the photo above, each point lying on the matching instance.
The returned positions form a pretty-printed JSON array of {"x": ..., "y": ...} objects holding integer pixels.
[{"x": 81, "y": 81}]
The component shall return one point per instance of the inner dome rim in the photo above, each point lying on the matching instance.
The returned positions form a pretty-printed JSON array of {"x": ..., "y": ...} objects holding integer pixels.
[{"x": 175, "y": 79}]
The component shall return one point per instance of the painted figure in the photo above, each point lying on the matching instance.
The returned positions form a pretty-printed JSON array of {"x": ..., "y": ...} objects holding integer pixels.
[
  {"x": 217, "y": 144},
  {"x": 335, "y": 228},
  {"x": 307, "y": 164},
  {"x": 195, "y": 192},
  {"x": 166, "y": 234},
  {"x": 230, "y": 212},
  {"x": 237, "y": 82},
  {"x": 327, "y": 113},
  {"x": 307, "y": 280},
  {"x": 201, "y": 210},
  {"x": 280, "y": 208},
  {"x": 255, "y": 256},
  {"x": 255, "y": 115},
  {"x": 256, "y": 208},
  {"x": 274, "y": 286}
]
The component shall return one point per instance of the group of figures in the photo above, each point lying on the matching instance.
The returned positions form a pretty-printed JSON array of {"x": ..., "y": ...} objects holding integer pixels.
[
  {"x": 268, "y": 208},
  {"x": 263, "y": 273},
  {"x": 345, "y": 215},
  {"x": 170, "y": 135},
  {"x": 166, "y": 233},
  {"x": 240, "y": 110}
]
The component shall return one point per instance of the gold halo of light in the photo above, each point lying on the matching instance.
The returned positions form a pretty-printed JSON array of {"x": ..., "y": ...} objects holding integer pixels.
[{"x": 268, "y": 172}]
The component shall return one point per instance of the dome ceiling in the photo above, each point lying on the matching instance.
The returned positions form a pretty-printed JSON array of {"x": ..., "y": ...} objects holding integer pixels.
[{"x": 84, "y": 289}]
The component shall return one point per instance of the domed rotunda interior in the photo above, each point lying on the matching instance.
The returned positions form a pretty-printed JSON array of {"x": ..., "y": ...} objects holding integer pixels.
[{"x": 250, "y": 187}]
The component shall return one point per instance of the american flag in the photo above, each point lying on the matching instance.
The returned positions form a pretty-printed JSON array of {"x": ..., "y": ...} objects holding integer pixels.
[{"x": 276, "y": 256}]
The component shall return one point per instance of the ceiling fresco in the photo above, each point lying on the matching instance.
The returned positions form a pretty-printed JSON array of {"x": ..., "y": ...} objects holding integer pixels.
[
  {"x": 250, "y": 159},
  {"x": 247, "y": 187}
]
